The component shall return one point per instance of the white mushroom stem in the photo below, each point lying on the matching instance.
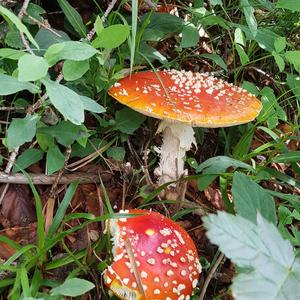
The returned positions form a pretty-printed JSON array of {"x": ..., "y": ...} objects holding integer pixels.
[{"x": 177, "y": 139}]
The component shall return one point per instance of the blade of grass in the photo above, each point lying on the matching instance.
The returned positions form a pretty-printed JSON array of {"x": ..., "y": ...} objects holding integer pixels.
[
  {"x": 25, "y": 282},
  {"x": 62, "y": 209},
  {"x": 134, "y": 18}
]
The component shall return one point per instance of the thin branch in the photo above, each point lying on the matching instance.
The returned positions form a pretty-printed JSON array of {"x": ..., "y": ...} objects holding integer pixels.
[
  {"x": 21, "y": 14},
  {"x": 42, "y": 179},
  {"x": 210, "y": 275}
]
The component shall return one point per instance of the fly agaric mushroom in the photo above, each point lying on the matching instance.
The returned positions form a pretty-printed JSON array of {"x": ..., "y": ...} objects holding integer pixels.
[
  {"x": 182, "y": 100},
  {"x": 154, "y": 258}
]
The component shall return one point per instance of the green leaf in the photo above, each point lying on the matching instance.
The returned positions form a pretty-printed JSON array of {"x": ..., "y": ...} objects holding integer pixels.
[
  {"x": 116, "y": 153},
  {"x": 11, "y": 53},
  {"x": 288, "y": 157},
  {"x": 294, "y": 58},
  {"x": 293, "y": 82},
  {"x": 16, "y": 21},
  {"x": 250, "y": 87},
  {"x": 280, "y": 44},
  {"x": 32, "y": 67},
  {"x": 74, "y": 70},
  {"x": 91, "y": 105},
  {"x": 239, "y": 37},
  {"x": 215, "y": 2},
  {"x": 249, "y": 15},
  {"x": 70, "y": 50},
  {"x": 98, "y": 25},
  {"x": 215, "y": 166},
  {"x": 217, "y": 59},
  {"x": 250, "y": 198},
  {"x": 274, "y": 271},
  {"x": 289, "y": 4},
  {"x": 190, "y": 36},
  {"x": 73, "y": 287},
  {"x": 242, "y": 54},
  {"x": 66, "y": 101},
  {"x": 112, "y": 36},
  {"x": 10, "y": 85},
  {"x": 27, "y": 158},
  {"x": 55, "y": 159},
  {"x": 21, "y": 131},
  {"x": 73, "y": 17},
  {"x": 66, "y": 133},
  {"x": 279, "y": 61},
  {"x": 127, "y": 120}
]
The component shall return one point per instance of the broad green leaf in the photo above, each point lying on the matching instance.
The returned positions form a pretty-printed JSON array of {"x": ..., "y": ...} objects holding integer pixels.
[
  {"x": 16, "y": 21},
  {"x": 162, "y": 25},
  {"x": 293, "y": 82},
  {"x": 32, "y": 67},
  {"x": 279, "y": 61},
  {"x": 73, "y": 287},
  {"x": 250, "y": 87},
  {"x": 112, "y": 36},
  {"x": 66, "y": 101},
  {"x": 34, "y": 11},
  {"x": 274, "y": 271},
  {"x": 294, "y": 58},
  {"x": 127, "y": 120},
  {"x": 215, "y": 2},
  {"x": 217, "y": 59},
  {"x": 289, "y": 4},
  {"x": 288, "y": 157},
  {"x": 66, "y": 133},
  {"x": 249, "y": 15},
  {"x": 152, "y": 53},
  {"x": 215, "y": 166},
  {"x": 280, "y": 44},
  {"x": 10, "y": 85},
  {"x": 74, "y": 70},
  {"x": 91, "y": 105},
  {"x": 242, "y": 54},
  {"x": 21, "y": 131},
  {"x": 70, "y": 50},
  {"x": 249, "y": 198},
  {"x": 27, "y": 158},
  {"x": 11, "y": 53},
  {"x": 46, "y": 38},
  {"x": 239, "y": 37},
  {"x": 73, "y": 17},
  {"x": 55, "y": 159},
  {"x": 190, "y": 36},
  {"x": 116, "y": 153}
]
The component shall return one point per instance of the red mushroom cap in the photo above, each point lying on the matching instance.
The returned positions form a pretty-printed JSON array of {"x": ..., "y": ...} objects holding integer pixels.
[
  {"x": 198, "y": 99},
  {"x": 165, "y": 256}
]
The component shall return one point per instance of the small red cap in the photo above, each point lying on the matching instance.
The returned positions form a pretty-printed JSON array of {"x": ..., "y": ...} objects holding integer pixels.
[{"x": 165, "y": 256}]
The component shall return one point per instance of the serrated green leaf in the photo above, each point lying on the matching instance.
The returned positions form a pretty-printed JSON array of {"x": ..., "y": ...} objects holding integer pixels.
[
  {"x": 91, "y": 105},
  {"x": 73, "y": 287},
  {"x": 69, "y": 50},
  {"x": 73, "y": 17},
  {"x": 249, "y": 198},
  {"x": 21, "y": 131},
  {"x": 27, "y": 158},
  {"x": 10, "y": 85},
  {"x": 112, "y": 36},
  {"x": 274, "y": 273},
  {"x": 55, "y": 159},
  {"x": 74, "y": 70},
  {"x": 32, "y": 67},
  {"x": 127, "y": 120},
  {"x": 66, "y": 101},
  {"x": 16, "y": 21},
  {"x": 289, "y": 4}
]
